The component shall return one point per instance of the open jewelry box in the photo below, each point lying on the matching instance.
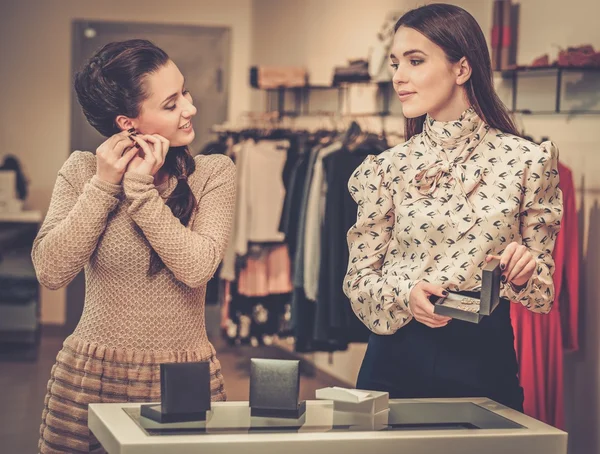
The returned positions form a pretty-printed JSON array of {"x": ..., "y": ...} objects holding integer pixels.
[{"x": 472, "y": 306}]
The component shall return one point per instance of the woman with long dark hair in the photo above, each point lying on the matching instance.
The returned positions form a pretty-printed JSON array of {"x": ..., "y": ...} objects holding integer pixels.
[
  {"x": 464, "y": 189},
  {"x": 149, "y": 224}
]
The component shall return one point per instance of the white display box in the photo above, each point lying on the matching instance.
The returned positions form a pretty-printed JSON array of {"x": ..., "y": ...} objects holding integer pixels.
[
  {"x": 355, "y": 400},
  {"x": 363, "y": 421}
]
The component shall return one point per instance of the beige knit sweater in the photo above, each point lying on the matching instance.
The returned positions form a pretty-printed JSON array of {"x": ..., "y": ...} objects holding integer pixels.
[{"x": 109, "y": 231}]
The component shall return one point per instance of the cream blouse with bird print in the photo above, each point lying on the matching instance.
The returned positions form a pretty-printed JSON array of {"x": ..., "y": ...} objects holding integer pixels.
[{"x": 434, "y": 207}]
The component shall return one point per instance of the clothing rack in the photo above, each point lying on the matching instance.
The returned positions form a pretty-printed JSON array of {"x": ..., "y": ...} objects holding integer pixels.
[
  {"x": 318, "y": 163},
  {"x": 266, "y": 124}
]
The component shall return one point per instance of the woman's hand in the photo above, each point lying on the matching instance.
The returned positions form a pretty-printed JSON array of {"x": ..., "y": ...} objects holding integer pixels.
[
  {"x": 517, "y": 265},
  {"x": 422, "y": 309},
  {"x": 113, "y": 157},
  {"x": 153, "y": 150}
]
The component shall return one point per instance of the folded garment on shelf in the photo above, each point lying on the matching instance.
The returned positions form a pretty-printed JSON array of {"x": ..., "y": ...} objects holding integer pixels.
[
  {"x": 356, "y": 71},
  {"x": 579, "y": 56},
  {"x": 278, "y": 76}
]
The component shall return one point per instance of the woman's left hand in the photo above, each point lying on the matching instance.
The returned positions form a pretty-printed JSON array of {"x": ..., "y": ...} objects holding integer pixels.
[
  {"x": 517, "y": 264},
  {"x": 154, "y": 149}
]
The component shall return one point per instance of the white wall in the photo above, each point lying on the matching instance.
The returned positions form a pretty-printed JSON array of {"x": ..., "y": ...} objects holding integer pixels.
[
  {"x": 321, "y": 34},
  {"x": 35, "y": 75}
]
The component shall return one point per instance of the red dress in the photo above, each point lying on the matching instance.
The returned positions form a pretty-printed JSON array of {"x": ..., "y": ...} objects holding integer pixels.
[{"x": 540, "y": 340}]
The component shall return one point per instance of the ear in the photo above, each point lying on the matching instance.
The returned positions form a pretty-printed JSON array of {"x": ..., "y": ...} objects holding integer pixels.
[
  {"x": 124, "y": 123},
  {"x": 463, "y": 71}
]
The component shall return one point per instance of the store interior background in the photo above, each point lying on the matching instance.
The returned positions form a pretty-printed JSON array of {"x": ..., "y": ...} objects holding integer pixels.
[{"x": 35, "y": 112}]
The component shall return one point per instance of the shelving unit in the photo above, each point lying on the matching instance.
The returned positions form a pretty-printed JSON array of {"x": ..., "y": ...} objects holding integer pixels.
[
  {"x": 294, "y": 102},
  {"x": 19, "y": 298},
  {"x": 279, "y": 100},
  {"x": 549, "y": 71}
]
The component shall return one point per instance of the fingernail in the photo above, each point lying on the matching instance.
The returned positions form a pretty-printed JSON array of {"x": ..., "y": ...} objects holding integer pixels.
[
  {"x": 131, "y": 130},
  {"x": 502, "y": 266},
  {"x": 445, "y": 293},
  {"x": 503, "y": 279}
]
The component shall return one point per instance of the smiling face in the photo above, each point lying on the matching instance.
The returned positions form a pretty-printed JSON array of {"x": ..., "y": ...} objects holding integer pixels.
[
  {"x": 168, "y": 109},
  {"x": 425, "y": 80}
]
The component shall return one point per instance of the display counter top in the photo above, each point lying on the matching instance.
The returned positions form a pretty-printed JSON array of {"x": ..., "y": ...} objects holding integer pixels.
[{"x": 417, "y": 426}]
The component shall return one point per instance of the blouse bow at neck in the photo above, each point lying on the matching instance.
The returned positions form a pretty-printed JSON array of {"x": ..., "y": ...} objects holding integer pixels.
[{"x": 452, "y": 176}]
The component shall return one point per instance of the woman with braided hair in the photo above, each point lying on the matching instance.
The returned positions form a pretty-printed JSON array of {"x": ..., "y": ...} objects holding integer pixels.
[{"x": 149, "y": 224}]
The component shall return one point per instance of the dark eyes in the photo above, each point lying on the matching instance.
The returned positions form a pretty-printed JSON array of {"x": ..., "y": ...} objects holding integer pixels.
[
  {"x": 174, "y": 106},
  {"x": 413, "y": 62}
]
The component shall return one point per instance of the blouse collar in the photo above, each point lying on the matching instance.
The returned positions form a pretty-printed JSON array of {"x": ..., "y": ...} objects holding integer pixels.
[{"x": 454, "y": 137}]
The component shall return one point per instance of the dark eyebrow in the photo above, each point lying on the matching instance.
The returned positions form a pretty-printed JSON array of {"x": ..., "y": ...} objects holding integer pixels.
[
  {"x": 174, "y": 95},
  {"x": 410, "y": 52},
  {"x": 413, "y": 51}
]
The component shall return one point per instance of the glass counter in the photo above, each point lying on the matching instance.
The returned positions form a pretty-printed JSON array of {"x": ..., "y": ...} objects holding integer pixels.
[{"x": 415, "y": 425}]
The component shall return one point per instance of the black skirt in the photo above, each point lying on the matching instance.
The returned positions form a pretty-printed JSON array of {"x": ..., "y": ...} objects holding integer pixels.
[{"x": 461, "y": 359}]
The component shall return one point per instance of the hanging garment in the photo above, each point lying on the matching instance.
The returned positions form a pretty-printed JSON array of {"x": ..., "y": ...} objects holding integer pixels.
[
  {"x": 290, "y": 217},
  {"x": 267, "y": 272},
  {"x": 228, "y": 268},
  {"x": 303, "y": 309},
  {"x": 334, "y": 319},
  {"x": 299, "y": 297},
  {"x": 312, "y": 228},
  {"x": 540, "y": 340},
  {"x": 255, "y": 319},
  {"x": 259, "y": 198}
]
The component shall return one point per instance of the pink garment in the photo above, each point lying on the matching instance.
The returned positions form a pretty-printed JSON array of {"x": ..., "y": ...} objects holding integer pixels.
[{"x": 267, "y": 273}]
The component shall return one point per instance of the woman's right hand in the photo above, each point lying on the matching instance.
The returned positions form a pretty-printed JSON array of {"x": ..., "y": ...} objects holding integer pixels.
[
  {"x": 422, "y": 309},
  {"x": 113, "y": 156}
]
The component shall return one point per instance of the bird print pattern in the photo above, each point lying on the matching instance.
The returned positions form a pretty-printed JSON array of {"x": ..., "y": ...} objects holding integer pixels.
[{"x": 434, "y": 207}]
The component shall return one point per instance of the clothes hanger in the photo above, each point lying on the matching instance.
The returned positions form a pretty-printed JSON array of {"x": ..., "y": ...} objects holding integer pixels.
[{"x": 353, "y": 131}]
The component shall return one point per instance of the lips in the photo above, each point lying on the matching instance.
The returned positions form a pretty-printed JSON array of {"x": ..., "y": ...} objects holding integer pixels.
[{"x": 405, "y": 94}]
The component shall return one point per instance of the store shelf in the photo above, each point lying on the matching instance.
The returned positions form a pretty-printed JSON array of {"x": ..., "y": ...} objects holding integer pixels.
[
  {"x": 19, "y": 298},
  {"x": 296, "y": 101},
  {"x": 513, "y": 75},
  {"x": 509, "y": 73}
]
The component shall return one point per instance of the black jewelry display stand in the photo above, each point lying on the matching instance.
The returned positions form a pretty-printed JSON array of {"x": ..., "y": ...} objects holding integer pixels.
[
  {"x": 275, "y": 388},
  {"x": 185, "y": 393}
]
